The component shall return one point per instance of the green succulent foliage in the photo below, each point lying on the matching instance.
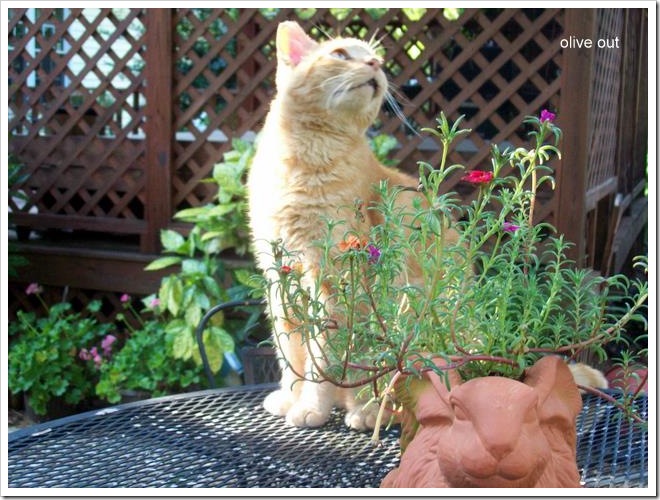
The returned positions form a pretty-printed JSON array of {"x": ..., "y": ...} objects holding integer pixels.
[
  {"x": 43, "y": 353},
  {"x": 492, "y": 298}
]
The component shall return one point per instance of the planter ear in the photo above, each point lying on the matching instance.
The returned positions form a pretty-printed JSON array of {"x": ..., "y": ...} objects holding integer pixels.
[
  {"x": 559, "y": 406},
  {"x": 424, "y": 401},
  {"x": 555, "y": 385},
  {"x": 434, "y": 404}
]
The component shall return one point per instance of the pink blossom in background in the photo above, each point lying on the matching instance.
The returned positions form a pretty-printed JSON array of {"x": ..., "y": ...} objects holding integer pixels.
[
  {"x": 33, "y": 288},
  {"x": 106, "y": 344},
  {"x": 125, "y": 298}
]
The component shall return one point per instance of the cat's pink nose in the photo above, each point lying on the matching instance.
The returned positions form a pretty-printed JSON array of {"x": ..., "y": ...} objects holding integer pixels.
[{"x": 374, "y": 63}]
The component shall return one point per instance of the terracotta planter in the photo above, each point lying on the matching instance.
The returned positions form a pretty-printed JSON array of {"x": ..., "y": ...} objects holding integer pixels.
[{"x": 489, "y": 432}]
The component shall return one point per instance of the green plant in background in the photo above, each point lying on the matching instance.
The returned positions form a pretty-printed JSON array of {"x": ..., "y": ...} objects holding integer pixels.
[
  {"x": 496, "y": 290},
  {"x": 145, "y": 362},
  {"x": 382, "y": 145},
  {"x": 203, "y": 278},
  {"x": 48, "y": 356}
]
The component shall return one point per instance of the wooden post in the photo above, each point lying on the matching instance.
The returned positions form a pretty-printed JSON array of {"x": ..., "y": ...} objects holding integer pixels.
[
  {"x": 158, "y": 73},
  {"x": 574, "y": 118}
]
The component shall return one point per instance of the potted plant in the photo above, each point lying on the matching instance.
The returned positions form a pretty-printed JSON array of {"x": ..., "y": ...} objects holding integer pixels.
[
  {"x": 52, "y": 358},
  {"x": 496, "y": 302},
  {"x": 145, "y": 365}
]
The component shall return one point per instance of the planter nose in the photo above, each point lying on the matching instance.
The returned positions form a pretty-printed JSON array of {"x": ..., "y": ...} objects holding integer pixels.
[{"x": 500, "y": 450}]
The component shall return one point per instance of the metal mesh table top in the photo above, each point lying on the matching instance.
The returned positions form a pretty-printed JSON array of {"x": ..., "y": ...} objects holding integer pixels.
[{"x": 223, "y": 438}]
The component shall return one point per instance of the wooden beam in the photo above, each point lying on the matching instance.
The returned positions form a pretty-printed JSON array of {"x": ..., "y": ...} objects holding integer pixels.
[
  {"x": 82, "y": 267},
  {"x": 574, "y": 118},
  {"x": 158, "y": 73},
  {"x": 65, "y": 221}
]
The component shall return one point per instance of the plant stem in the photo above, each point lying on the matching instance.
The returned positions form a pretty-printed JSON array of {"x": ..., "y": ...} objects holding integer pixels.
[{"x": 375, "y": 437}]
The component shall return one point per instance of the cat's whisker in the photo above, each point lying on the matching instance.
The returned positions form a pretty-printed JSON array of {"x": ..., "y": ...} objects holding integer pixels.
[
  {"x": 376, "y": 44},
  {"x": 394, "y": 105},
  {"x": 398, "y": 94}
]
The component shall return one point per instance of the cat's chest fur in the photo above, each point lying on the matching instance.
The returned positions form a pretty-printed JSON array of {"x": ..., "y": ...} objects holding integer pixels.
[{"x": 297, "y": 190}]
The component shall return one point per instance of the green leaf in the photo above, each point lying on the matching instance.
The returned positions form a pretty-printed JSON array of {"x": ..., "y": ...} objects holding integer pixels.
[
  {"x": 193, "y": 266},
  {"x": 162, "y": 263},
  {"x": 171, "y": 293},
  {"x": 171, "y": 240},
  {"x": 217, "y": 341},
  {"x": 244, "y": 276},
  {"x": 193, "y": 315},
  {"x": 192, "y": 214},
  {"x": 183, "y": 343}
]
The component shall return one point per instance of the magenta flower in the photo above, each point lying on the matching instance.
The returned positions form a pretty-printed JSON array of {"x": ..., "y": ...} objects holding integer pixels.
[
  {"x": 547, "y": 116},
  {"x": 33, "y": 288},
  {"x": 125, "y": 298},
  {"x": 374, "y": 254},
  {"x": 510, "y": 227},
  {"x": 155, "y": 302},
  {"x": 478, "y": 177}
]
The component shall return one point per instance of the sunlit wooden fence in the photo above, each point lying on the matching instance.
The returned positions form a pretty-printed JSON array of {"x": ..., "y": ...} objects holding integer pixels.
[{"x": 118, "y": 114}]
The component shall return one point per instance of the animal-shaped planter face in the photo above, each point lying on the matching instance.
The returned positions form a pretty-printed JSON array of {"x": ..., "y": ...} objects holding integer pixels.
[{"x": 494, "y": 432}]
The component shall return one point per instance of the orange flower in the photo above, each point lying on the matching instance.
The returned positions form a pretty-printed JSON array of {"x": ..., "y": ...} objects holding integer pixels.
[{"x": 352, "y": 242}]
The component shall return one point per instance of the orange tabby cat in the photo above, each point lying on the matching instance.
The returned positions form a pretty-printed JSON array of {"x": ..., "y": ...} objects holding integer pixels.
[{"x": 313, "y": 162}]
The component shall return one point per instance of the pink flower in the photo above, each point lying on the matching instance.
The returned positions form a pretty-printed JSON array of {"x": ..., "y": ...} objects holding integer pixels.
[
  {"x": 94, "y": 353},
  {"x": 155, "y": 302},
  {"x": 33, "y": 288},
  {"x": 547, "y": 116},
  {"x": 509, "y": 227},
  {"x": 125, "y": 298},
  {"x": 98, "y": 360},
  {"x": 106, "y": 344},
  {"x": 478, "y": 177},
  {"x": 84, "y": 354}
]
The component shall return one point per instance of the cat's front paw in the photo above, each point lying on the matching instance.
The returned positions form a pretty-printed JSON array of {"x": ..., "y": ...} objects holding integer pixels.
[
  {"x": 279, "y": 402},
  {"x": 362, "y": 418},
  {"x": 303, "y": 415}
]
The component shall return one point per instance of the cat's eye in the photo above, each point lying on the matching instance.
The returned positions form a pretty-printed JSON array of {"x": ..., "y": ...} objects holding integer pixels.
[{"x": 340, "y": 54}]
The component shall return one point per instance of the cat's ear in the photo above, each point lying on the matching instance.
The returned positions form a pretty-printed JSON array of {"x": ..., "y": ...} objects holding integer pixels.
[{"x": 292, "y": 43}]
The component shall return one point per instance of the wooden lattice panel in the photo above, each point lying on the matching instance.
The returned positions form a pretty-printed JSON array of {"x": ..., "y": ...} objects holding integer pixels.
[
  {"x": 605, "y": 98},
  {"x": 493, "y": 65},
  {"x": 76, "y": 104},
  {"x": 223, "y": 83}
]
